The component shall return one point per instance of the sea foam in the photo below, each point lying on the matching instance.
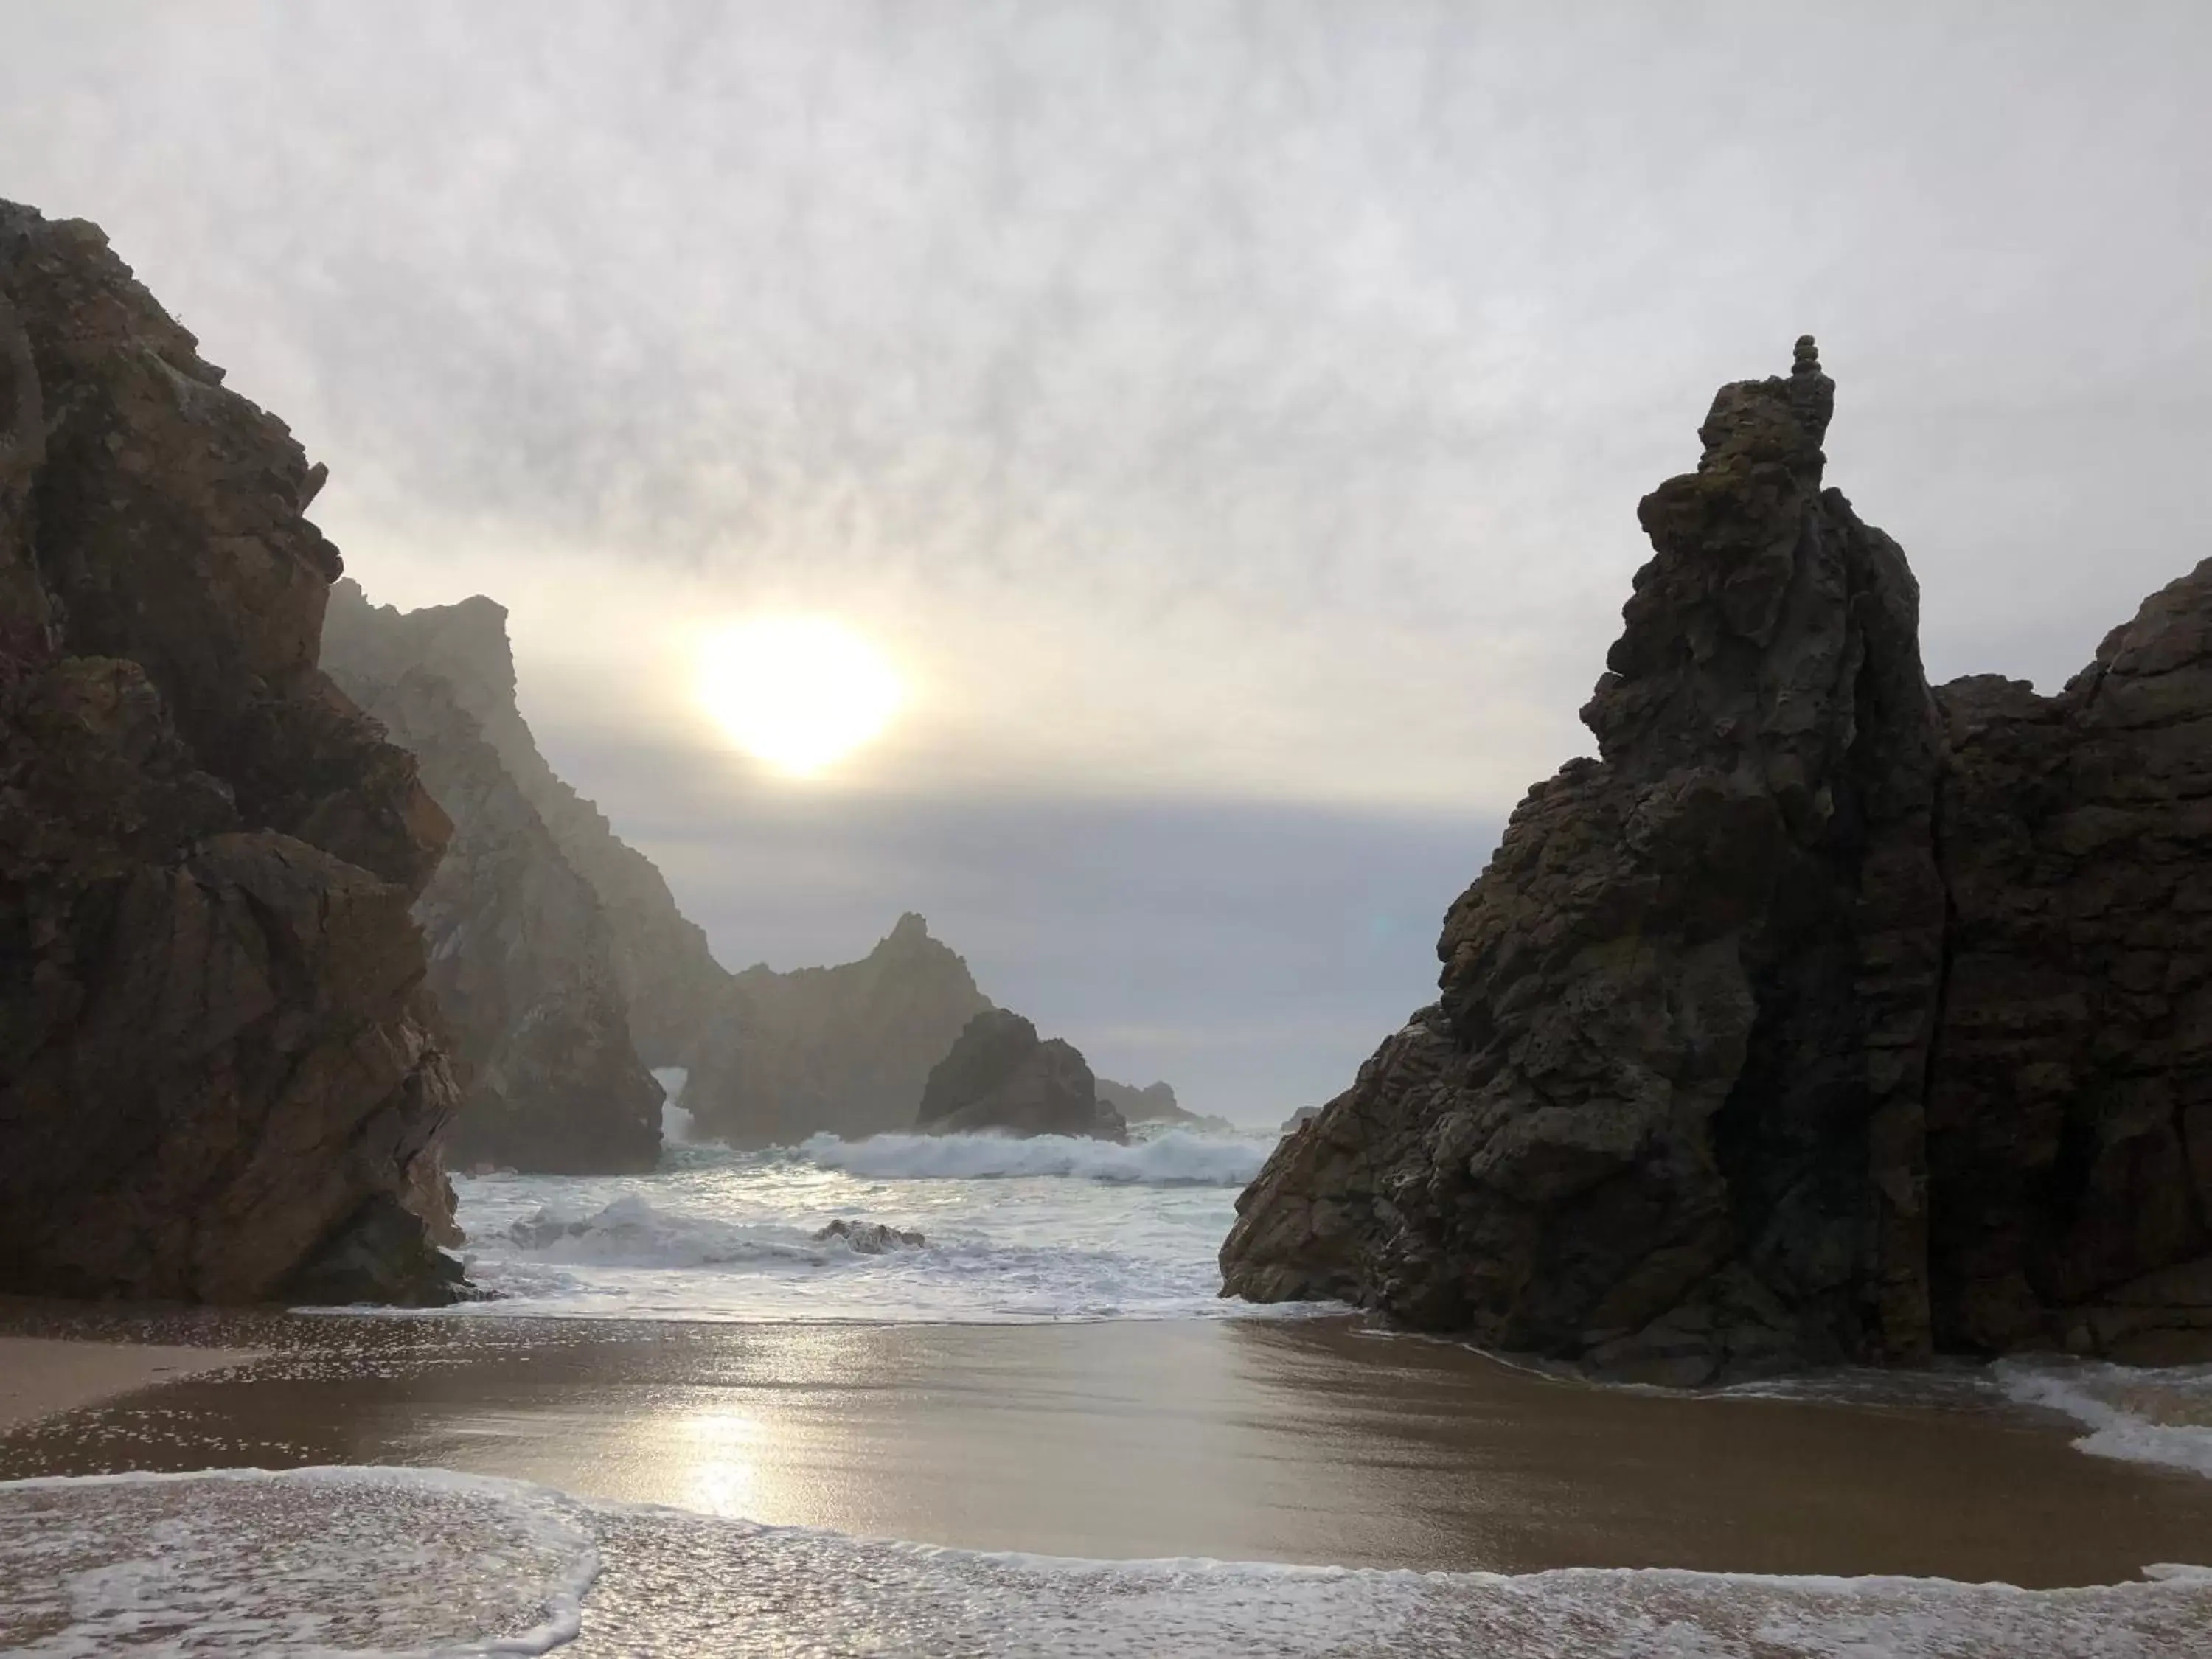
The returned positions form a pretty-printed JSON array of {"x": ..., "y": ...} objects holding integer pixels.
[
  {"x": 2136, "y": 1414},
  {"x": 1174, "y": 1160},
  {"x": 383, "y": 1562},
  {"x": 368, "y": 1561}
]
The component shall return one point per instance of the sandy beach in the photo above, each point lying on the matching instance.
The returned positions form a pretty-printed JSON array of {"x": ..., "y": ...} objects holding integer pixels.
[
  {"x": 1300, "y": 1442},
  {"x": 39, "y": 1377}
]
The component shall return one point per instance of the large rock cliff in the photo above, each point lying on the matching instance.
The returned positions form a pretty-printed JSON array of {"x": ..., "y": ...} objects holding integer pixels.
[
  {"x": 2069, "y": 1106},
  {"x": 844, "y": 1049},
  {"x": 543, "y": 920},
  {"x": 522, "y": 956},
  {"x": 218, "y": 1077},
  {"x": 999, "y": 1079},
  {"x": 669, "y": 978},
  {"x": 1820, "y": 1018}
]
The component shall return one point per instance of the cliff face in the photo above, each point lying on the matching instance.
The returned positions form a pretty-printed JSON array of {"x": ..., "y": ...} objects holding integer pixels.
[
  {"x": 549, "y": 932},
  {"x": 844, "y": 1049},
  {"x": 521, "y": 953},
  {"x": 218, "y": 1080},
  {"x": 999, "y": 1079},
  {"x": 669, "y": 980},
  {"x": 1817, "y": 1019},
  {"x": 2069, "y": 1119}
]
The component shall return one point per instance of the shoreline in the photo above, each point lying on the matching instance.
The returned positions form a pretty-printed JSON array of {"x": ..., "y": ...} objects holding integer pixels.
[
  {"x": 42, "y": 1378},
  {"x": 1311, "y": 1442}
]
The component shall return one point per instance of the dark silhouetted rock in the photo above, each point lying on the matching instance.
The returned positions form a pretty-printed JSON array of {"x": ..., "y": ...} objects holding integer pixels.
[
  {"x": 1156, "y": 1104},
  {"x": 216, "y": 1064},
  {"x": 843, "y": 1050},
  {"x": 870, "y": 1238},
  {"x": 770, "y": 1057},
  {"x": 670, "y": 982},
  {"x": 2070, "y": 1113},
  {"x": 1820, "y": 1018},
  {"x": 999, "y": 1079},
  {"x": 522, "y": 956}
]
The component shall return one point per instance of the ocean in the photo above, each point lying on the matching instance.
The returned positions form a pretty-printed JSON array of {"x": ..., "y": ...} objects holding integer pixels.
[
  {"x": 1008, "y": 1230},
  {"x": 174, "y": 1554}
]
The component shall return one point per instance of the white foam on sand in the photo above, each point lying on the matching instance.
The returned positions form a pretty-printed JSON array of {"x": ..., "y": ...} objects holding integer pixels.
[
  {"x": 380, "y": 1561},
  {"x": 2139, "y": 1415},
  {"x": 321, "y": 1560},
  {"x": 1176, "y": 1159}
]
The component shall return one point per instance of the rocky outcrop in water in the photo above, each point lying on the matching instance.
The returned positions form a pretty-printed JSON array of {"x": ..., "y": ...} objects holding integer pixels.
[
  {"x": 1156, "y": 1103},
  {"x": 522, "y": 955},
  {"x": 1000, "y": 1078},
  {"x": 1819, "y": 1018},
  {"x": 844, "y": 1050},
  {"x": 219, "y": 1078},
  {"x": 870, "y": 1238}
]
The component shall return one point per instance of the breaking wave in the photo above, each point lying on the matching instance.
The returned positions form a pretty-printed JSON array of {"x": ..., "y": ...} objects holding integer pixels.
[
  {"x": 631, "y": 1232},
  {"x": 1174, "y": 1160},
  {"x": 1049, "y": 1229},
  {"x": 2138, "y": 1415},
  {"x": 384, "y": 1562}
]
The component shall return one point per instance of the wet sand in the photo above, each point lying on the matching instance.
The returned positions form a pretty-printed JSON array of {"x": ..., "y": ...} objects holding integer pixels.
[
  {"x": 39, "y": 1377},
  {"x": 1242, "y": 1440}
]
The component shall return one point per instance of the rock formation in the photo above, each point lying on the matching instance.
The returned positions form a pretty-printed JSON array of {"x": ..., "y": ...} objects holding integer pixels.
[
  {"x": 543, "y": 920},
  {"x": 843, "y": 1050},
  {"x": 870, "y": 1238},
  {"x": 771, "y": 1057},
  {"x": 219, "y": 1078},
  {"x": 2069, "y": 1107},
  {"x": 999, "y": 1079},
  {"x": 522, "y": 956},
  {"x": 1820, "y": 1018},
  {"x": 1156, "y": 1104},
  {"x": 669, "y": 980}
]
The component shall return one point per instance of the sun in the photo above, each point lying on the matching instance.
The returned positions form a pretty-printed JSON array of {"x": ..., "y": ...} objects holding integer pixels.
[{"x": 798, "y": 692}]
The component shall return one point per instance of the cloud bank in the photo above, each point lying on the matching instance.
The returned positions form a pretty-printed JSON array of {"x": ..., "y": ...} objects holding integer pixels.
[{"x": 1222, "y": 413}]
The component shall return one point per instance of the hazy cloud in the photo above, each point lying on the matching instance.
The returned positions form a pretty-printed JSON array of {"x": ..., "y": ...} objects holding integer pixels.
[{"x": 1209, "y": 405}]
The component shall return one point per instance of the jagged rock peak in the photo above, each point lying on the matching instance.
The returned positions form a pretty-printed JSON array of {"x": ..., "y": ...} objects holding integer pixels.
[
  {"x": 1665, "y": 1118},
  {"x": 845, "y": 1048},
  {"x": 1822, "y": 1018},
  {"x": 668, "y": 979},
  {"x": 522, "y": 959}
]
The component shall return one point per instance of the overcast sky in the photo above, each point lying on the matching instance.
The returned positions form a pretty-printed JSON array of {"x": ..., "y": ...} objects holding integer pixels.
[{"x": 1229, "y": 418}]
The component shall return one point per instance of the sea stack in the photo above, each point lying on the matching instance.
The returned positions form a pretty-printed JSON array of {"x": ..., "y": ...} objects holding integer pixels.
[
  {"x": 842, "y": 1050},
  {"x": 1821, "y": 1018},
  {"x": 999, "y": 1079},
  {"x": 219, "y": 1077}
]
